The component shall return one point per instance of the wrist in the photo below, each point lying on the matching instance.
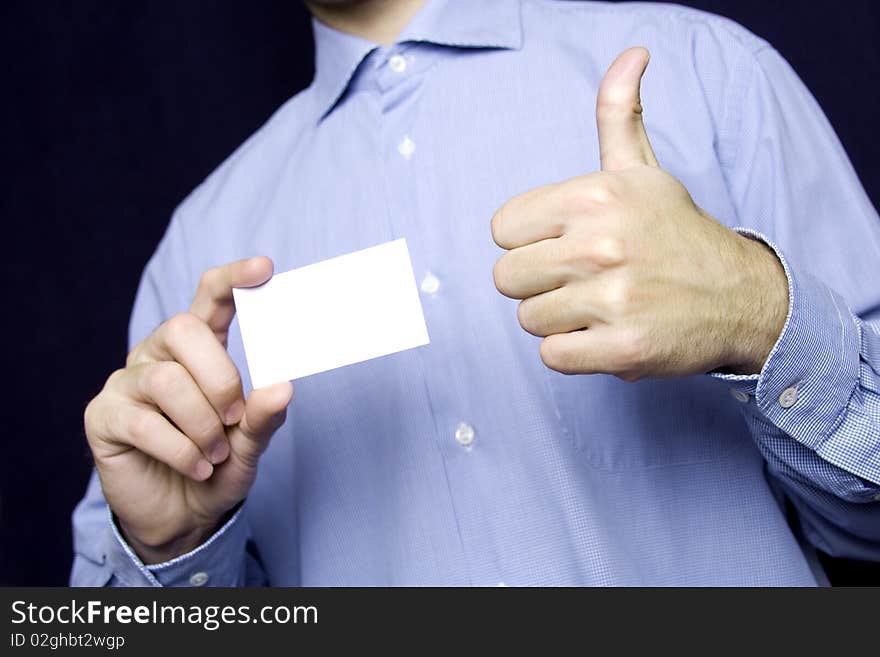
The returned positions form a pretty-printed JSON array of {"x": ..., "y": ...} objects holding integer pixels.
[
  {"x": 153, "y": 552},
  {"x": 758, "y": 315}
]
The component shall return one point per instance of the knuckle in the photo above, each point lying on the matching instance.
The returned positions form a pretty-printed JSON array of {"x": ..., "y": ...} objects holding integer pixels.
[
  {"x": 181, "y": 326},
  {"x": 97, "y": 413},
  {"x": 133, "y": 356},
  {"x": 600, "y": 192},
  {"x": 103, "y": 419},
  {"x": 210, "y": 279},
  {"x": 617, "y": 106},
  {"x": 581, "y": 254},
  {"x": 90, "y": 414},
  {"x": 606, "y": 250},
  {"x": 105, "y": 422},
  {"x": 585, "y": 193},
  {"x": 227, "y": 387},
  {"x": 617, "y": 295},
  {"x": 575, "y": 255},
  {"x": 631, "y": 354},
  {"x": 137, "y": 356},
  {"x": 140, "y": 424},
  {"x": 115, "y": 377},
  {"x": 165, "y": 378}
]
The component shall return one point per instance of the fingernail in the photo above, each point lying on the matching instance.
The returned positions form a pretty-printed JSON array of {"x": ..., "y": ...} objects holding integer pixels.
[
  {"x": 203, "y": 469},
  {"x": 233, "y": 415},
  {"x": 220, "y": 452}
]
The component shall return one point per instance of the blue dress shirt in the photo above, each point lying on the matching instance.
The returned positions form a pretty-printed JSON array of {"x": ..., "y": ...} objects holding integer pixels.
[{"x": 467, "y": 462}]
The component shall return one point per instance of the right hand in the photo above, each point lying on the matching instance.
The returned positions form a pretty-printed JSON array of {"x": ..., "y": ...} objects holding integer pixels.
[{"x": 175, "y": 443}]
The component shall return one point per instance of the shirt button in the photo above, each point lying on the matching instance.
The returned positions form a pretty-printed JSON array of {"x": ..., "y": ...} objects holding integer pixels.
[
  {"x": 464, "y": 434},
  {"x": 407, "y": 147},
  {"x": 397, "y": 63},
  {"x": 788, "y": 397},
  {"x": 739, "y": 395},
  {"x": 430, "y": 284},
  {"x": 198, "y": 579}
]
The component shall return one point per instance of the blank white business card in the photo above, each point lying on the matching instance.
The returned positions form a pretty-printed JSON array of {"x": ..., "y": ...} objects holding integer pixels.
[{"x": 333, "y": 313}]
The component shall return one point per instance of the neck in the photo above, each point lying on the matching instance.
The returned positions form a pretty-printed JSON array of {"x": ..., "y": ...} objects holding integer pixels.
[{"x": 379, "y": 21}]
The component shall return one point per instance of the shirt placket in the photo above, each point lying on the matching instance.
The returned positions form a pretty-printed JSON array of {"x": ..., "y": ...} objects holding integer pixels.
[{"x": 401, "y": 77}]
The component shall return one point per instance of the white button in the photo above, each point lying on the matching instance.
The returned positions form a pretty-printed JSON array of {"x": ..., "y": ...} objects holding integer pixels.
[
  {"x": 877, "y": 497},
  {"x": 739, "y": 395},
  {"x": 407, "y": 147},
  {"x": 198, "y": 579},
  {"x": 464, "y": 434},
  {"x": 430, "y": 284},
  {"x": 397, "y": 63},
  {"x": 788, "y": 397}
]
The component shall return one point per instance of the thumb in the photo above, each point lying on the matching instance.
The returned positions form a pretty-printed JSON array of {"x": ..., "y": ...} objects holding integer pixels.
[
  {"x": 265, "y": 410},
  {"x": 623, "y": 142}
]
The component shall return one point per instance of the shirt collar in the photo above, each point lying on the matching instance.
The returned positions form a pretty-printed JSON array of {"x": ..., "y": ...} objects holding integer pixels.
[{"x": 456, "y": 23}]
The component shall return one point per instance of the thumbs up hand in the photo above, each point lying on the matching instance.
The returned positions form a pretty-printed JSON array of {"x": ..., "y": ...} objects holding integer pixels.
[{"x": 622, "y": 273}]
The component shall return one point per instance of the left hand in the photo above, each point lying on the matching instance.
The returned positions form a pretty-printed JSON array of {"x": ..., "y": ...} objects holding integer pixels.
[{"x": 622, "y": 273}]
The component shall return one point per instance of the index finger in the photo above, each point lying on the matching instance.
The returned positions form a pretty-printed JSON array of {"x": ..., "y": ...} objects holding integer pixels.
[
  {"x": 528, "y": 217},
  {"x": 213, "y": 302}
]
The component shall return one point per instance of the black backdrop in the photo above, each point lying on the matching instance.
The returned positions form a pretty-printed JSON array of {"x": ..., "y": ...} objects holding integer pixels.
[{"x": 113, "y": 111}]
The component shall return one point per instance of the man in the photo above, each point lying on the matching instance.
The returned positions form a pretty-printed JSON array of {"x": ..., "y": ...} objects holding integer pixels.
[{"x": 700, "y": 405}]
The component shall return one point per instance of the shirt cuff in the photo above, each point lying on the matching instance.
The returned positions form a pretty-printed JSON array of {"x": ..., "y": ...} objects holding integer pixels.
[
  {"x": 219, "y": 561},
  {"x": 812, "y": 371}
]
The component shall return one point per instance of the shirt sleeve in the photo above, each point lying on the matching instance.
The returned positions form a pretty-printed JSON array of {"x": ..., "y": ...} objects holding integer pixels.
[
  {"x": 101, "y": 555},
  {"x": 814, "y": 409}
]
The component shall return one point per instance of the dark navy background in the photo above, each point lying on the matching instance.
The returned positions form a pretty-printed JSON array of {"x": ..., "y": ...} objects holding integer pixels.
[{"x": 111, "y": 112}]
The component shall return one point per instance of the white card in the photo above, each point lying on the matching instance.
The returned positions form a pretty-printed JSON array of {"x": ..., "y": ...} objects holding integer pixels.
[{"x": 333, "y": 313}]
